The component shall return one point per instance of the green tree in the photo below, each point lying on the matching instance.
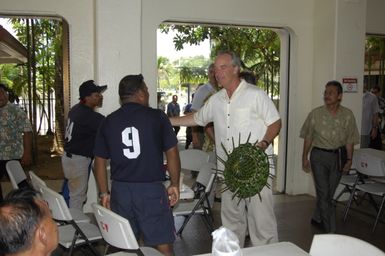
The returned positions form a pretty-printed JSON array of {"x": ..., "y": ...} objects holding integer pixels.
[
  {"x": 375, "y": 53},
  {"x": 259, "y": 49},
  {"x": 42, "y": 76}
]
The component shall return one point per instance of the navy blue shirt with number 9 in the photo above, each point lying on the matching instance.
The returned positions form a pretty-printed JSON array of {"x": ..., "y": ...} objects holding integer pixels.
[{"x": 134, "y": 137}]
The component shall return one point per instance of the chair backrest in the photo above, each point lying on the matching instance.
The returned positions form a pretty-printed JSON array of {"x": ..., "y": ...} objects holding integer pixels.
[
  {"x": 15, "y": 172},
  {"x": 56, "y": 204},
  {"x": 205, "y": 176},
  {"x": 370, "y": 162},
  {"x": 93, "y": 190},
  {"x": 92, "y": 193},
  {"x": 193, "y": 159},
  {"x": 115, "y": 229},
  {"x": 333, "y": 245},
  {"x": 36, "y": 181}
]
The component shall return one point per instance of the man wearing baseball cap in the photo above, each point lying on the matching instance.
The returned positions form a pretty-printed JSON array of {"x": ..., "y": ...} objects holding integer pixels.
[{"x": 82, "y": 125}]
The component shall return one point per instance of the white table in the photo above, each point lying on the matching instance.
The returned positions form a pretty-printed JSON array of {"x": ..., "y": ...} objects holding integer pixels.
[{"x": 277, "y": 249}]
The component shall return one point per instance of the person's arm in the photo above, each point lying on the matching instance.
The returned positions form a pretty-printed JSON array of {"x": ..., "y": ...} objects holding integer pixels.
[
  {"x": 305, "y": 153},
  {"x": 209, "y": 129},
  {"x": 271, "y": 132},
  {"x": 349, "y": 157},
  {"x": 375, "y": 121},
  {"x": 183, "y": 121},
  {"x": 100, "y": 173},
  {"x": 26, "y": 158},
  {"x": 173, "y": 165}
]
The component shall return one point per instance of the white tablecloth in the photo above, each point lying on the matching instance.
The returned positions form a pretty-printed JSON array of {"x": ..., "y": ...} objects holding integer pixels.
[{"x": 277, "y": 249}]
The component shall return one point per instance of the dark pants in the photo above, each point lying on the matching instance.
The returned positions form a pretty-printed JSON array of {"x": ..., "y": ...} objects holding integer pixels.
[
  {"x": 188, "y": 137},
  {"x": 327, "y": 175},
  {"x": 176, "y": 129}
]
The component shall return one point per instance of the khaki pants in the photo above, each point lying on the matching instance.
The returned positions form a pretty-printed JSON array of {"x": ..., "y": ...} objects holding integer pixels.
[
  {"x": 255, "y": 215},
  {"x": 76, "y": 170}
]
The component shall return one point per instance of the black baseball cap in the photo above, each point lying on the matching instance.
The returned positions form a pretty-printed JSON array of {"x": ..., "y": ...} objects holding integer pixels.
[{"x": 89, "y": 87}]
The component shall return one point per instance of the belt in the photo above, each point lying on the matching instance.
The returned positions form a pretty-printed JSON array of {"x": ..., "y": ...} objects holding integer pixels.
[
  {"x": 335, "y": 151},
  {"x": 68, "y": 154}
]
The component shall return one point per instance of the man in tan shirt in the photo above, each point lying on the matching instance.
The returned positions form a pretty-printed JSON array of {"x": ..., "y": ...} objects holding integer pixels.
[{"x": 331, "y": 132}]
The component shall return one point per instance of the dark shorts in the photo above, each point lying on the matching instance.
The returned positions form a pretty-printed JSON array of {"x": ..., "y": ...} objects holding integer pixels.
[{"x": 147, "y": 208}]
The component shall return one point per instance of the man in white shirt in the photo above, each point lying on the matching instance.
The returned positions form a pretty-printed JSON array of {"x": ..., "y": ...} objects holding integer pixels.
[
  {"x": 200, "y": 97},
  {"x": 240, "y": 109},
  {"x": 369, "y": 121}
]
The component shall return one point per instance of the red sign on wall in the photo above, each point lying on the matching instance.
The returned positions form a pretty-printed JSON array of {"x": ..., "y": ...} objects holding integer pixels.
[{"x": 349, "y": 84}]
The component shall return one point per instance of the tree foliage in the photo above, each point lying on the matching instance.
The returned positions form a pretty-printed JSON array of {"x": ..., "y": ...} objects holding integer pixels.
[
  {"x": 191, "y": 70},
  {"x": 375, "y": 61},
  {"x": 259, "y": 49},
  {"x": 38, "y": 80}
]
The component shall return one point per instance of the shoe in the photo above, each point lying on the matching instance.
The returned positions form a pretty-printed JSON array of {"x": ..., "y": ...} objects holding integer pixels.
[
  {"x": 217, "y": 199},
  {"x": 316, "y": 223}
]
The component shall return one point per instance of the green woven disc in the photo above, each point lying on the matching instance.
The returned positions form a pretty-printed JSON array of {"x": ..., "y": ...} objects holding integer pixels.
[{"x": 246, "y": 170}]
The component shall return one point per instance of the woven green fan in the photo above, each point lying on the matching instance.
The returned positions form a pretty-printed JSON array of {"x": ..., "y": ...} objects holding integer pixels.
[{"x": 246, "y": 170}]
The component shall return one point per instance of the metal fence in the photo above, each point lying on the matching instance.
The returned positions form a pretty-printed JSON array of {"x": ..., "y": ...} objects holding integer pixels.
[{"x": 41, "y": 114}]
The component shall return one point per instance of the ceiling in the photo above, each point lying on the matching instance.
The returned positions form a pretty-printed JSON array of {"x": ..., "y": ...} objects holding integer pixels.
[{"x": 11, "y": 50}]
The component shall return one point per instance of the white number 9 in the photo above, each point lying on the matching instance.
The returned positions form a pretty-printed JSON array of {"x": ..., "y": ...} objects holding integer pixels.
[{"x": 133, "y": 142}]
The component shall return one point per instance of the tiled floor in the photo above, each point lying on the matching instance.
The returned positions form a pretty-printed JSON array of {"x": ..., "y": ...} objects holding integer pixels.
[{"x": 293, "y": 216}]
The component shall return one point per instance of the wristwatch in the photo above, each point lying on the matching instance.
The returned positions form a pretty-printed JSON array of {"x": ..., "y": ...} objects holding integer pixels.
[{"x": 103, "y": 194}]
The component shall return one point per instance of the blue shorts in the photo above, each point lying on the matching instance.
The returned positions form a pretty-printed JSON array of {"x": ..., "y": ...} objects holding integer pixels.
[{"x": 147, "y": 208}]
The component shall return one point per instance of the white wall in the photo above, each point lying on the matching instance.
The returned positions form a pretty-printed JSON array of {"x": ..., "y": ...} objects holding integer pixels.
[
  {"x": 118, "y": 44},
  {"x": 109, "y": 39},
  {"x": 375, "y": 18}
]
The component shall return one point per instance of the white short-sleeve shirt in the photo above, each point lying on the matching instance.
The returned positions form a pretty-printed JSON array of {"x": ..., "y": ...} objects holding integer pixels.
[{"x": 248, "y": 111}]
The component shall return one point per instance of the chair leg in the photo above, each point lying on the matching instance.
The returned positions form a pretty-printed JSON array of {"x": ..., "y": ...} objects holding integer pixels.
[
  {"x": 83, "y": 236},
  {"x": 209, "y": 224},
  {"x": 379, "y": 213},
  {"x": 349, "y": 203},
  {"x": 186, "y": 220},
  {"x": 343, "y": 191}
]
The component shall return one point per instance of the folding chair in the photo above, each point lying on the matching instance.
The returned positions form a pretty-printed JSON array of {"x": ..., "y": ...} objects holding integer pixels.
[
  {"x": 336, "y": 245},
  {"x": 38, "y": 183},
  {"x": 347, "y": 181},
  {"x": 371, "y": 163},
  {"x": 193, "y": 159},
  {"x": 71, "y": 234},
  {"x": 202, "y": 205},
  {"x": 93, "y": 190},
  {"x": 16, "y": 174},
  {"x": 117, "y": 231},
  {"x": 92, "y": 193}
]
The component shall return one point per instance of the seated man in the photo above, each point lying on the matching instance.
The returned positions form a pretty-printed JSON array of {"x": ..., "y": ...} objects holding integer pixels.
[{"x": 26, "y": 225}]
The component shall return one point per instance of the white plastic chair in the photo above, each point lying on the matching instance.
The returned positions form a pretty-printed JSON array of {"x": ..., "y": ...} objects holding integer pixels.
[
  {"x": 71, "y": 234},
  {"x": 193, "y": 159},
  {"x": 203, "y": 204},
  {"x": 16, "y": 173},
  {"x": 370, "y": 162},
  {"x": 93, "y": 191},
  {"x": 117, "y": 231},
  {"x": 348, "y": 181},
  {"x": 38, "y": 183},
  {"x": 337, "y": 245}
]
